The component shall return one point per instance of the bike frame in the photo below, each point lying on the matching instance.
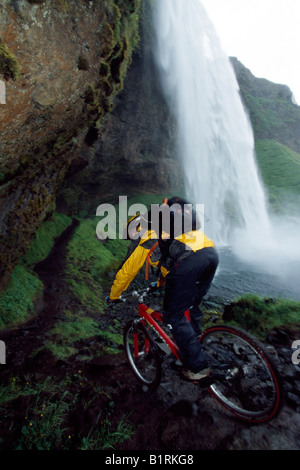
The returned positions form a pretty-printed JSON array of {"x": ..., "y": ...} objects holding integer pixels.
[
  {"x": 152, "y": 317},
  {"x": 225, "y": 372}
]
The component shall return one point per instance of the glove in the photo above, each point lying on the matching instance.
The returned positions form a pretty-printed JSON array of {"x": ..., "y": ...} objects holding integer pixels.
[
  {"x": 153, "y": 287},
  {"x": 112, "y": 302}
]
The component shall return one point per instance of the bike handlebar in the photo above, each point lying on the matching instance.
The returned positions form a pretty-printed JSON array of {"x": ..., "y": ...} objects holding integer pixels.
[{"x": 139, "y": 294}]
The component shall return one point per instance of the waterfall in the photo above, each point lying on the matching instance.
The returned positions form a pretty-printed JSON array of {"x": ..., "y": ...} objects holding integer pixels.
[{"x": 215, "y": 137}]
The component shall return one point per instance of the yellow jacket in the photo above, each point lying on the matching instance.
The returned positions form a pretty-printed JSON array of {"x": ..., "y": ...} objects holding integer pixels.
[{"x": 147, "y": 249}]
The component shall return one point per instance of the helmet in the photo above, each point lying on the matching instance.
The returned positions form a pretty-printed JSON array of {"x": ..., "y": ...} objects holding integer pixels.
[
  {"x": 181, "y": 206},
  {"x": 134, "y": 225}
]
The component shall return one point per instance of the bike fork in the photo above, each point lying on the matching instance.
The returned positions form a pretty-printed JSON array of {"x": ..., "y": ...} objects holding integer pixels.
[{"x": 136, "y": 346}]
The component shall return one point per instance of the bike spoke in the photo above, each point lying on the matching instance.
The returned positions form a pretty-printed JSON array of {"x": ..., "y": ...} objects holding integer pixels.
[
  {"x": 142, "y": 354},
  {"x": 244, "y": 380}
]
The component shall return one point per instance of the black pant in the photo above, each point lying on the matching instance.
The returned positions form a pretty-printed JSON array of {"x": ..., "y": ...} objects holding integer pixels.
[{"x": 187, "y": 282}]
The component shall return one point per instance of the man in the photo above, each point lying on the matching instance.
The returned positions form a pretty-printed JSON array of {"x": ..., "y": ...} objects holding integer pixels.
[{"x": 187, "y": 260}]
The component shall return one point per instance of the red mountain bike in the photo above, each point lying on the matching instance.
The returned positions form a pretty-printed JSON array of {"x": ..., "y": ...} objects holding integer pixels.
[{"x": 243, "y": 378}]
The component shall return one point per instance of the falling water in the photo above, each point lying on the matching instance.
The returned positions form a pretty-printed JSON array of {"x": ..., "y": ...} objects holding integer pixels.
[{"x": 214, "y": 133}]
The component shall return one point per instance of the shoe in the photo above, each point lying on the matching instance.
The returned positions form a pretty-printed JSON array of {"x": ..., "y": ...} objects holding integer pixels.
[{"x": 196, "y": 376}]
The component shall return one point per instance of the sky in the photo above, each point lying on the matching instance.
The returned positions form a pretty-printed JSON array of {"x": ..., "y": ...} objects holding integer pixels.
[{"x": 263, "y": 34}]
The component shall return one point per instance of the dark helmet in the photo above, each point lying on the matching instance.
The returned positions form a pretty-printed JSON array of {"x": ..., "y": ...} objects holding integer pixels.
[
  {"x": 181, "y": 206},
  {"x": 135, "y": 225}
]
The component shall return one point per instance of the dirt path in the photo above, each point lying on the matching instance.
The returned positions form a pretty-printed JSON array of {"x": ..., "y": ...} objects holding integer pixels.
[{"x": 177, "y": 416}]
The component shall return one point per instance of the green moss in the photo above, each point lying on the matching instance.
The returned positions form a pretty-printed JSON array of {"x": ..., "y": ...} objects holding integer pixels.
[
  {"x": 280, "y": 170},
  {"x": 74, "y": 330},
  {"x": 64, "y": 339},
  {"x": 45, "y": 237},
  {"x": 18, "y": 299},
  {"x": 89, "y": 263},
  {"x": 107, "y": 39},
  {"x": 90, "y": 95},
  {"x": 9, "y": 66},
  {"x": 119, "y": 38},
  {"x": 259, "y": 315}
]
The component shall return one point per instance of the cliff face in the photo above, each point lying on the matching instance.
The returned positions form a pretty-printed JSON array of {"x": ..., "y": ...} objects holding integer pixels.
[
  {"x": 135, "y": 152},
  {"x": 272, "y": 111},
  {"x": 62, "y": 63}
]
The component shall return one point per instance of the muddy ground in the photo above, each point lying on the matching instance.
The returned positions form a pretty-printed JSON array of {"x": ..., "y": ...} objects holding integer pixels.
[{"x": 178, "y": 416}]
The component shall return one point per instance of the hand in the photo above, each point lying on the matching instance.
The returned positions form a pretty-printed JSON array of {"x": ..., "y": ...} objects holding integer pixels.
[
  {"x": 112, "y": 302},
  {"x": 153, "y": 287}
]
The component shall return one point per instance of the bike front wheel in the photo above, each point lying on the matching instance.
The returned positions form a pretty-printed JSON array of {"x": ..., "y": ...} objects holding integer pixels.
[
  {"x": 142, "y": 354},
  {"x": 246, "y": 382}
]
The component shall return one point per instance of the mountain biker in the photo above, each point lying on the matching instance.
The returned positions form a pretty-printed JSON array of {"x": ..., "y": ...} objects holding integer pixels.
[{"x": 187, "y": 260}]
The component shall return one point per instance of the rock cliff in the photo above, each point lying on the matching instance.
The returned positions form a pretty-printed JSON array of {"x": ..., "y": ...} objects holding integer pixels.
[
  {"x": 62, "y": 63},
  {"x": 272, "y": 110},
  {"x": 135, "y": 152}
]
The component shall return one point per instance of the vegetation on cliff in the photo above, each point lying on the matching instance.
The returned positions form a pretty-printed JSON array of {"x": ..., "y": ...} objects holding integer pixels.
[
  {"x": 280, "y": 169},
  {"x": 120, "y": 36},
  {"x": 17, "y": 301},
  {"x": 9, "y": 66},
  {"x": 275, "y": 119}
]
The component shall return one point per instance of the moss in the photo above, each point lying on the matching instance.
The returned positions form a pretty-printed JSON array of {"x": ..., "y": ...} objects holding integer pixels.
[
  {"x": 259, "y": 315},
  {"x": 44, "y": 238},
  {"x": 66, "y": 336},
  {"x": 18, "y": 299},
  {"x": 280, "y": 169},
  {"x": 90, "y": 95},
  {"x": 9, "y": 66},
  {"x": 107, "y": 38},
  {"x": 89, "y": 261},
  {"x": 119, "y": 38}
]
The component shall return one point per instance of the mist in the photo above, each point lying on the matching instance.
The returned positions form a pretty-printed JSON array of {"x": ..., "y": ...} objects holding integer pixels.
[{"x": 216, "y": 144}]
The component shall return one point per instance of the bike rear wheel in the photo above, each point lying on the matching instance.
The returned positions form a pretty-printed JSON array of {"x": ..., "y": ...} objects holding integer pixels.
[
  {"x": 246, "y": 382},
  {"x": 142, "y": 354}
]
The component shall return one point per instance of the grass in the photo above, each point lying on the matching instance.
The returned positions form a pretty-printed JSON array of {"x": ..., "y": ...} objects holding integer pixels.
[
  {"x": 17, "y": 301},
  {"x": 271, "y": 116},
  {"x": 44, "y": 239},
  {"x": 18, "y": 298},
  {"x": 47, "y": 405},
  {"x": 280, "y": 170},
  {"x": 9, "y": 66},
  {"x": 107, "y": 437},
  {"x": 90, "y": 264},
  {"x": 45, "y": 422},
  {"x": 65, "y": 338},
  {"x": 259, "y": 315}
]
